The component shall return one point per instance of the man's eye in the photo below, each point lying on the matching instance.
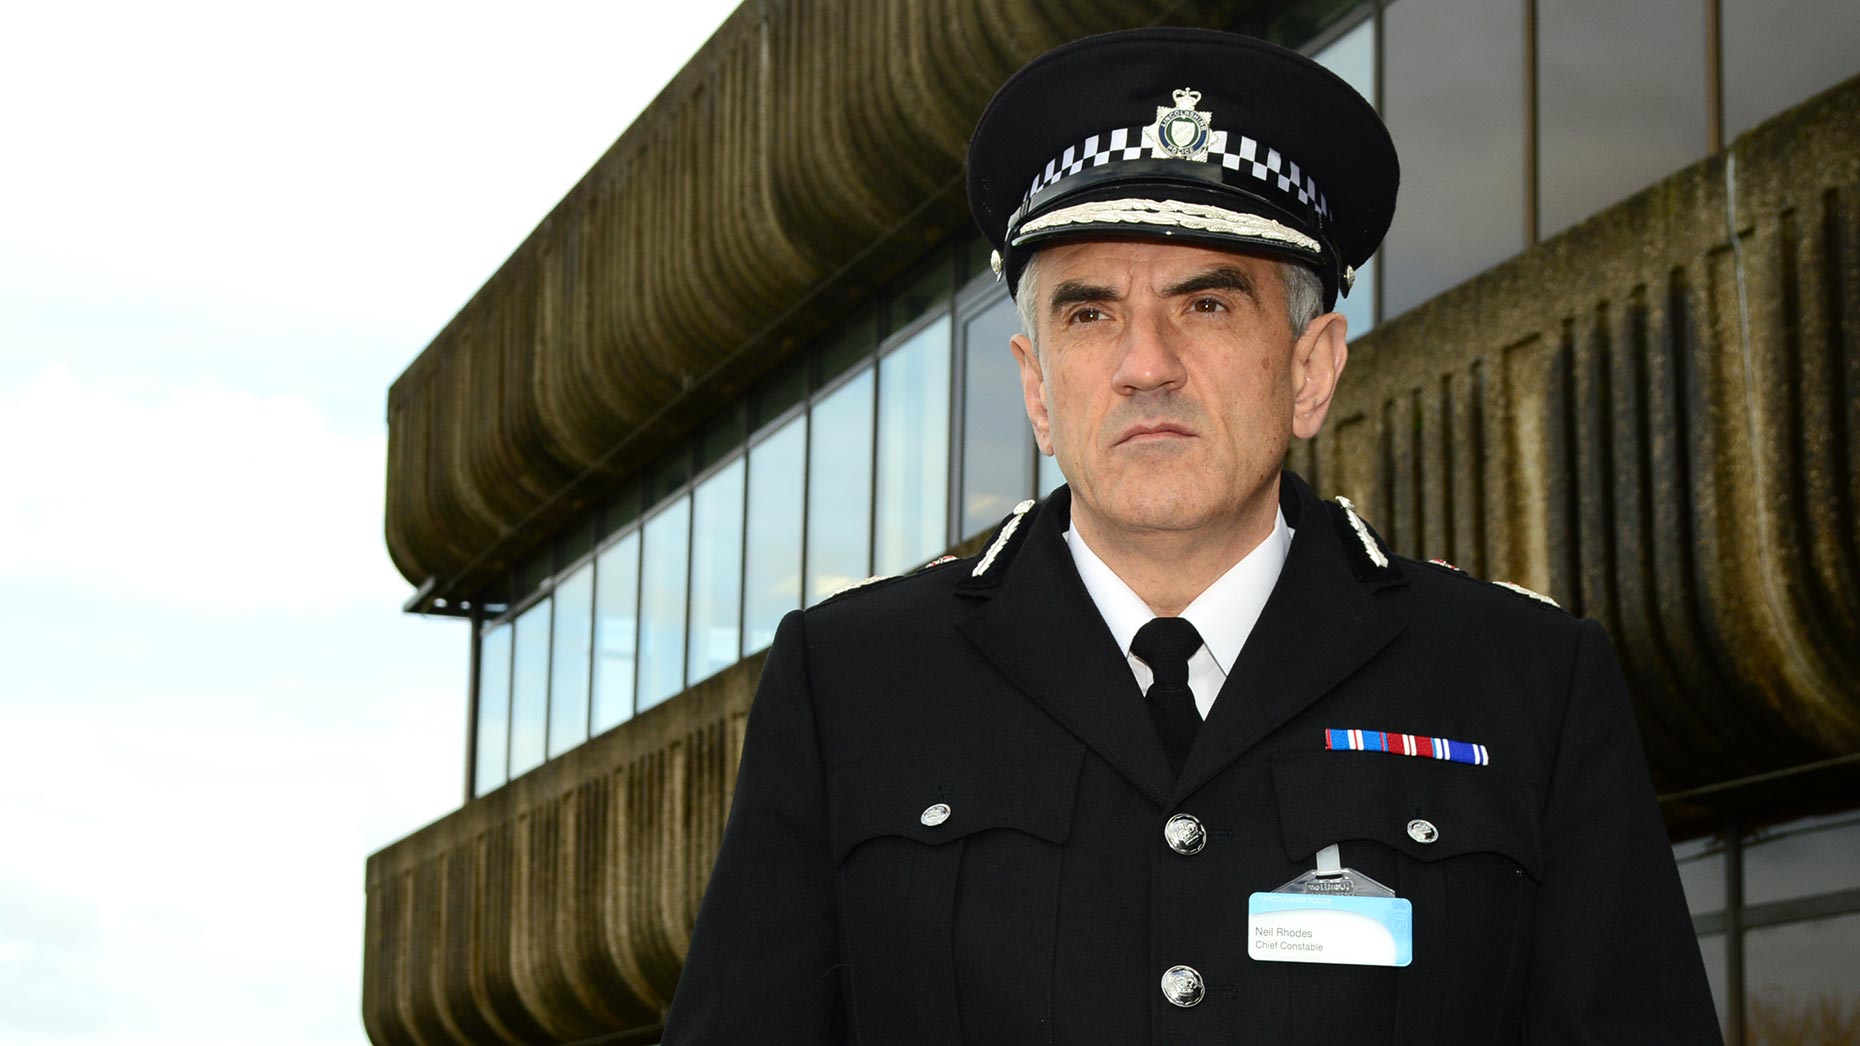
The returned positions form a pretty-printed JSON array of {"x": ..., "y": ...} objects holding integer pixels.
[
  {"x": 1088, "y": 314},
  {"x": 1208, "y": 305}
]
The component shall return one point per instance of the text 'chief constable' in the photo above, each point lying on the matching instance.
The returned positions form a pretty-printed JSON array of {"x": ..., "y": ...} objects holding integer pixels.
[{"x": 1186, "y": 755}]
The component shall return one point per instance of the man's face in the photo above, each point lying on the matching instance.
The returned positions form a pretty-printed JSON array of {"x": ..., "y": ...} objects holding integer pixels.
[{"x": 1169, "y": 382}]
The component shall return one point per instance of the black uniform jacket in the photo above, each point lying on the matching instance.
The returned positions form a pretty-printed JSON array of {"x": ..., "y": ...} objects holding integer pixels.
[{"x": 1046, "y": 907}]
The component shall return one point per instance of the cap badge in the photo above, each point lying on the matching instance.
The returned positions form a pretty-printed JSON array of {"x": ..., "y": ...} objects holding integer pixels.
[{"x": 1181, "y": 130}]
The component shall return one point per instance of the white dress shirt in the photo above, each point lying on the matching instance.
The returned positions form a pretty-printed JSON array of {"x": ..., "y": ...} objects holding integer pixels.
[{"x": 1224, "y": 613}]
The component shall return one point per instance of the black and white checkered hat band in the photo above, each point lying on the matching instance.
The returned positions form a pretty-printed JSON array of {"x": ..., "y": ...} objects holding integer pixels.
[{"x": 1127, "y": 143}]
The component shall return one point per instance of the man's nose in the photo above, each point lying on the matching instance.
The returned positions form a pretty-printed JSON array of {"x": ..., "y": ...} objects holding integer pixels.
[{"x": 1152, "y": 356}]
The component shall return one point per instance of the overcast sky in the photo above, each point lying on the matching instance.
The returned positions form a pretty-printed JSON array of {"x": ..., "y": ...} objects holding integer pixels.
[{"x": 224, "y": 230}]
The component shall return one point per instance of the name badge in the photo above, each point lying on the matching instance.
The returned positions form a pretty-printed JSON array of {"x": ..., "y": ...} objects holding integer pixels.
[{"x": 1313, "y": 927}]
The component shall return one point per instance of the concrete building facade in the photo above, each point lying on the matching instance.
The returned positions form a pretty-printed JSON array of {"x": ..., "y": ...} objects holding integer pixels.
[{"x": 1608, "y": 351}]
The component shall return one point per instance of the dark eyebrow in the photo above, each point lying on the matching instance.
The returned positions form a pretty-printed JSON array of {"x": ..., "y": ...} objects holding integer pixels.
[
  {"x": 1077, "y": 292},
  {"x": 1224, "y": 278}
]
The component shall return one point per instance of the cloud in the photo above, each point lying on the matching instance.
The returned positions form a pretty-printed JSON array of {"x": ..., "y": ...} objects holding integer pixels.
[
  {"x": 195, "y": 495},
  {"x": 190, "y": 869}
]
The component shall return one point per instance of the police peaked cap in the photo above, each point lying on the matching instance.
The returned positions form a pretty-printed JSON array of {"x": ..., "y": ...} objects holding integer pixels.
[{"x": 1191, "y": 134}]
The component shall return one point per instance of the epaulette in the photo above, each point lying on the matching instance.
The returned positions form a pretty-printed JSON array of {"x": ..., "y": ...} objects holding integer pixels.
[
  {"x": 1368, "y": 553},
  {"x": 879, "y": 580},
  {"x": 1510, "y": 586},
  {"x": 1007, "y": 540}
]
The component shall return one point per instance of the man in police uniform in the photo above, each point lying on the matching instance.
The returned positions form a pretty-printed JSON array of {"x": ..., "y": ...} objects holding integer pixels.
[{"x": 1067, "y": 791}]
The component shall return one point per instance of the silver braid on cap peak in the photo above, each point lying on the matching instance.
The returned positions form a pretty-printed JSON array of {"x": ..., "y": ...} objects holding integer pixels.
[{"x": 1172, "y": 214}]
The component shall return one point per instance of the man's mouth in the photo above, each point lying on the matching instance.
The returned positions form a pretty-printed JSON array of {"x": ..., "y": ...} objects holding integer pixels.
[{"x": 1152, "y": 432}]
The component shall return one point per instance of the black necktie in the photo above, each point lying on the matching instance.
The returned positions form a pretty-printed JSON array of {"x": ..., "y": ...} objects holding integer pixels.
[{"x": 1166, "y": 644}]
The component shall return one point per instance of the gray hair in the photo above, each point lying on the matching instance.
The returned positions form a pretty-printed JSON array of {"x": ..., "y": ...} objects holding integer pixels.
[{"x": 1304, "y": 297}]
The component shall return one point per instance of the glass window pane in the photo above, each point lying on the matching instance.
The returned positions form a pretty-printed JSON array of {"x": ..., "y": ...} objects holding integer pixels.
[
  {"x": 1803, "y": 858},
  {"x": 529, "y": 690},
  {"x": 850, "y": 344},
  {"x": 1455, "y": 105},
  {"x": 1799, "y": 982},
  {"x": 839, "y": 489},
  {"x": 997, "y": 443},
  {"x": 1050, "y": 476},
  {"x": 578, "y": 540},
  {"x": 535, "y": 573},
  {"x": 1701, "y": 872},
  {"x": 923, "y": 289},
  {"x": 662, "y": 615},
  {"x": 772, "y": 577},
  {"x": 1717, "y": 974},
  {"x": 716, "y": 571},
  {"x": 493, "y": 710},
  {"x": 622, "y": 509},
  {"x": 784, "y": 388},
  {"x": 569, "y": 660},
  {"x": 721, "y": 438},
  {"x": 1779, "y": 54},
  {"x": 972, "y": 254},
  {"x": 671, "y": 472},
  {"x": 913, "y": 450},
  {"x": 1359, "y": 306},
  {"x": 1611, "y": 120},
  {"x": 1352, "y": 57},
  {"x": 616, "y": 631}
]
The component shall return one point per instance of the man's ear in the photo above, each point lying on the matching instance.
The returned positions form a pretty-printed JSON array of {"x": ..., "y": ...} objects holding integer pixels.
[
  {"x": 1317, "y": 363},
  {"x": 1033, "y": 390}
]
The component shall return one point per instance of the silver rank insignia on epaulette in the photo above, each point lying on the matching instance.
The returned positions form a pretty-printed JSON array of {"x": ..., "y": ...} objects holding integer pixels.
[
  {"x": 1001, "y": 539},
  {"x": 856, "y": 585},
  {"x": 1522, "y": 591},
  {"x": 1370, "y": 548},
  {"x": 1181, "y": 130}
]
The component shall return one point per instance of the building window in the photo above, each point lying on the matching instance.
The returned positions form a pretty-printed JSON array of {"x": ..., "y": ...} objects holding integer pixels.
[
  {"x": 772, "y": 571},
  {"x": 529, "y": 689},
  {"x": 997, "y": 442},
  {"x": 616, "y": 632},
  {"x": 1352, "y": 57},
  {"x": 570, "y": 660},
  {"x": 1777, "y": 55},
  {"x": 1816, "y": 855},
  {"x": 1610, "y": 122},
  {"x": 1454, "y": 104},
  {"x": 663, "y": 591},
  {"x": 913, "y": 450},
  {"x": 1794, "y": 891},
  {"x": 491, "y": 761},
  {"x": 1701, "y": 873},
  {"x": 716, "y": 571},
  {"x": 839, "y": 489},
  {"x": 1799, "y": 984}
]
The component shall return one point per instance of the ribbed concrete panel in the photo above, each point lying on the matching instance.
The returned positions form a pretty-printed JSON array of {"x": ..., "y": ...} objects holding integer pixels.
[
  {"x": 808, "y": 151},
  {"x": 1655, "y": 421}
]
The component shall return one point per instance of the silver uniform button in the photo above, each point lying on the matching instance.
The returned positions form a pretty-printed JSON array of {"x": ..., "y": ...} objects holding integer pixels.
[
  {"x": 1184, "y": 834},
  {"x": 1182, "y": 986},
  {"x": 934, "y": 814},
  {"x": 1422, "y": 831}
]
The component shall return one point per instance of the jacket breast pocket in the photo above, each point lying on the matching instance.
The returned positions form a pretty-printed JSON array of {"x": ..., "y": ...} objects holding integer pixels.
[
  {"x": 948, "y": 867},
  {"x": 1461, "y": 843}
]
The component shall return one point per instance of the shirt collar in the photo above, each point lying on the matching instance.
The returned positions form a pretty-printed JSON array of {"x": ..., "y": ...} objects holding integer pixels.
[{"x": 1224, "y": 613}]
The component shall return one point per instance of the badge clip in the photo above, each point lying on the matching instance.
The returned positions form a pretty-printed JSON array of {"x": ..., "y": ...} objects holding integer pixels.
[{"x": 1331, "y": 878}]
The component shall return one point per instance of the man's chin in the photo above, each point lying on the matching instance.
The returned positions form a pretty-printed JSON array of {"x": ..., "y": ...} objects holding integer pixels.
[{"x": 1158, "y": 506}]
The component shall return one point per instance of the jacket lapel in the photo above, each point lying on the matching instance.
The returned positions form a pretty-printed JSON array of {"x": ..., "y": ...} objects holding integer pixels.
[
  {"x": 1042, "y": 631},
  {"x": 1318, "y": 626}
]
